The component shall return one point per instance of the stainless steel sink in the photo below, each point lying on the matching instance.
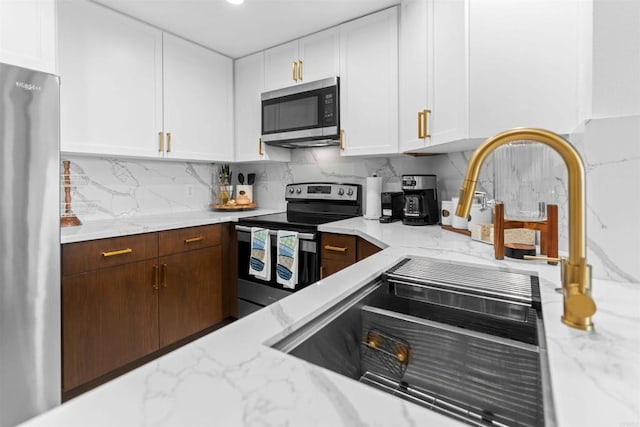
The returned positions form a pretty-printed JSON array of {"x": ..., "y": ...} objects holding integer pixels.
[{"x": 444, "y": 336}]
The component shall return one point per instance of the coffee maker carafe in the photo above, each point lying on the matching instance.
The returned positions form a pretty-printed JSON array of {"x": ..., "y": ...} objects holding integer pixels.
[{"x": 420, "y": 200}]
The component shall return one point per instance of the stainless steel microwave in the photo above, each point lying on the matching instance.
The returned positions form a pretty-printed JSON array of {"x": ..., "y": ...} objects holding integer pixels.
[{"x": 304, "y": 115}]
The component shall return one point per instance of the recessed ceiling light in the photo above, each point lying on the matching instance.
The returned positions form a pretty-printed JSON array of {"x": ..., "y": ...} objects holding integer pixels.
[{"x": 235, "y": 1}]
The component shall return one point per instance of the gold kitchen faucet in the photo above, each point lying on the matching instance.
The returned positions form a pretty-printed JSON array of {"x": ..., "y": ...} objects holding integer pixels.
[{"x": 575, "y": 272}]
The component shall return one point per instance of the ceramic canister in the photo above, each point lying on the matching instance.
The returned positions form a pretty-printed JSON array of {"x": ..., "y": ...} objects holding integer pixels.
[
  {"x": 246, "y": 190},
  {"x": 479, "y": 215},
  {"x": 458, "y": 221}
]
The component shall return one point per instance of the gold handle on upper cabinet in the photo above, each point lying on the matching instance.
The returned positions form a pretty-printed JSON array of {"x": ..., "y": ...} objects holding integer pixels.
[
  {"x": 294, "y": 67},
  {"x": 155, "y": 278},
  {"x": 426, "y": 123},
  {"x": 194, "y": 239},
  {"x": 118, "y": 252},
  {"x": 300, "y": 70},
  {"x": 335, "y": 248},
  {"x": 160, "y": 142},
  {"x": 260, "y": 147},
  {"x": 168, "y": 142},
  {"x": 164, "y": 275},
  {"x": 420, "y": 124},
  {"x": 342, "y": 139}
]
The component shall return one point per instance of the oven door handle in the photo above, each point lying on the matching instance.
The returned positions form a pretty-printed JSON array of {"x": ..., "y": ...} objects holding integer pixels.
[{"x": 301, "y": 236}]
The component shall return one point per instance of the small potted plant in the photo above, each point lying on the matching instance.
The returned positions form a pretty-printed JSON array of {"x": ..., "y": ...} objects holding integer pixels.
[{"x": 225, "y": 194}]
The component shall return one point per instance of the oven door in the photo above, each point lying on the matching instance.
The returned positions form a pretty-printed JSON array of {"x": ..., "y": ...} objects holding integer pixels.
[{"x": 254, "y": 293}]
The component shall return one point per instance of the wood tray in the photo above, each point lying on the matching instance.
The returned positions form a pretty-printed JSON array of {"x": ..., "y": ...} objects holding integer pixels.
[
  {"x": 233, "y": 207},
  {"x": 456, "y": 230}
]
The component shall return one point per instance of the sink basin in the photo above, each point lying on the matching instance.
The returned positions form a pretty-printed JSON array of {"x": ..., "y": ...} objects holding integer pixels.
[{"x": 452, "y": 343}]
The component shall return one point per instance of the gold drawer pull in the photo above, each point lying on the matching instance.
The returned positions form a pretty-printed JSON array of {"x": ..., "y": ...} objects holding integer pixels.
[
  {"x": 335, "y": 248},
  {"x": 120, "y": 252},
  {"x": 194, "y": 239}
]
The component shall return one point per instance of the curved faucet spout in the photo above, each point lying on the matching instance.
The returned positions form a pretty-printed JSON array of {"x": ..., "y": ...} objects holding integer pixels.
[{"x": 576, "y": 273}]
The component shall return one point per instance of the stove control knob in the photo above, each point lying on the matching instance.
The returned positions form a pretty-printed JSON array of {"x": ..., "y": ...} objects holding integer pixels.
[
  {"x": 340, "y": 191},
  {"x": 298, "y": 190},
  {"x": 290, "y": 190},
  {"x": 350, "y": 192}
]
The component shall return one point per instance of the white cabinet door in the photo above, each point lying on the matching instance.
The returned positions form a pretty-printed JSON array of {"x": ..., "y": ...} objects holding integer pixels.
[
  {"x": 616, "y": 58},
  {"x": 433, "y": 73},
  {"x": 198, "y": 102},
  {"x": 524, "y": 65},
  {"x": 310, "y": 58},
  {"x": 320, "y": 55},
  {"x": 28, "y": 34},
  {"x": 249, "y": 85},
  {"x": 369, "y": 84},
  {"x": 280, "y": 66},
  {"x": 111, "y": 82}
]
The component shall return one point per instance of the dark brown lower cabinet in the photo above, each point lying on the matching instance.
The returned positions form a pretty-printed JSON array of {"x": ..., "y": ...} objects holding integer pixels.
[
  {"x": 339, "y": 251},
  {"x": 110, "y": 318},
  {"x": 190, "y": 293},
  {"x": 126, "y": 298}
]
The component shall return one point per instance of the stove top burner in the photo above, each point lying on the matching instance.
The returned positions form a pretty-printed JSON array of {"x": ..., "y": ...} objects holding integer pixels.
[{"x": 289, "y": 221}]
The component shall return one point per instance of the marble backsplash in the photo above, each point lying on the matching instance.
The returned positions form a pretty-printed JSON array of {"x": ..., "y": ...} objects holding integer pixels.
[{"x": 110, "y": 188}]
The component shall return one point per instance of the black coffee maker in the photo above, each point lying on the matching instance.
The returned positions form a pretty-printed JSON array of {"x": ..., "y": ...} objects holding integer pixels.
[{"x": 420, "y": 200}]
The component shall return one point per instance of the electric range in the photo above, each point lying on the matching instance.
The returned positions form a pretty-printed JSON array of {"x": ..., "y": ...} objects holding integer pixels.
[{"x": 308, "y": 205}]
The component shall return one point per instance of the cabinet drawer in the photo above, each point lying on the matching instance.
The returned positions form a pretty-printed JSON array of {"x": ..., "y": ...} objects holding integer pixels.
[
  {"x": 95, "y": 254},
  {"x": 186, "y": 239},
  {"x": 339, "y": 247}
]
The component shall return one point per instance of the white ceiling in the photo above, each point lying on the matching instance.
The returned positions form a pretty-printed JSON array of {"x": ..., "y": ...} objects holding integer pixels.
[{"x": 238, "y": 30}]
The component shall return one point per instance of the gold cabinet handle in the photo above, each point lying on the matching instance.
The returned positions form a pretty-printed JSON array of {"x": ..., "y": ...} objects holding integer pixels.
[
  {"x": 426, "y": 123},
  {"x": 194, "y": 239},
  {"x": 300, "y": 70},
  {"x": 163, "y": 275},
  {"x": 335, "y": 248},
  {"x": 294, "y": 67},
  {"x": 160, "y": 142},
  {"x": 168, "y": 142},
  {"x": 118, "y": 252},
  {"x": 342, "y": 139},
  {"x": 156, "y": 279},
  {"x": 420, "y": 124},
  {"x": 260, "y": 147}
]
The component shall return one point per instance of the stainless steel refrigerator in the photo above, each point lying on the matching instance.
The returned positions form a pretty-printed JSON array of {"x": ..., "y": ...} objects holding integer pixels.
[{"x": 30, "y": 356}]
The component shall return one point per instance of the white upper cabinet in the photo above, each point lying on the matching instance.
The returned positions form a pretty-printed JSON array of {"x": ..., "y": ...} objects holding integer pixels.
[
  {"x": 198, "y": 102},
  {"x": 616, "y": 58},
  {"x": 111, "y": 82},
  {"x": 311, "y": 58},
  {"x": 319, "y": 55},
  {"x": 433, "y": 73},
  {"x": 369, "y": 84},
  {"x": 249, "y": 85},
  {"x": 28, "y": 34},
  {"x": 524, "y": 61},
  {"x": 126, "y": 92},
  {"x": 281, "y": 66}
]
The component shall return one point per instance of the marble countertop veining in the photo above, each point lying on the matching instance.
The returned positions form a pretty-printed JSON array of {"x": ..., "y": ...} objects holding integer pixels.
[
  {"x": 231, "y": 378},
  {"x": 102, "y": 229}
]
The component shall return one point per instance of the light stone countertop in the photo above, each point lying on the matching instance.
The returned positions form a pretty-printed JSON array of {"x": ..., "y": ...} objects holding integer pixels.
[
  {"x": 146, "y": 224},
  {"x": 231, "y": 378}
]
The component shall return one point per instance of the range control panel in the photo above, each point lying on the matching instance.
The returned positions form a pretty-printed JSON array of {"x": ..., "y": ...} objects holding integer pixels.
[{"x": 323, "y": 191}]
